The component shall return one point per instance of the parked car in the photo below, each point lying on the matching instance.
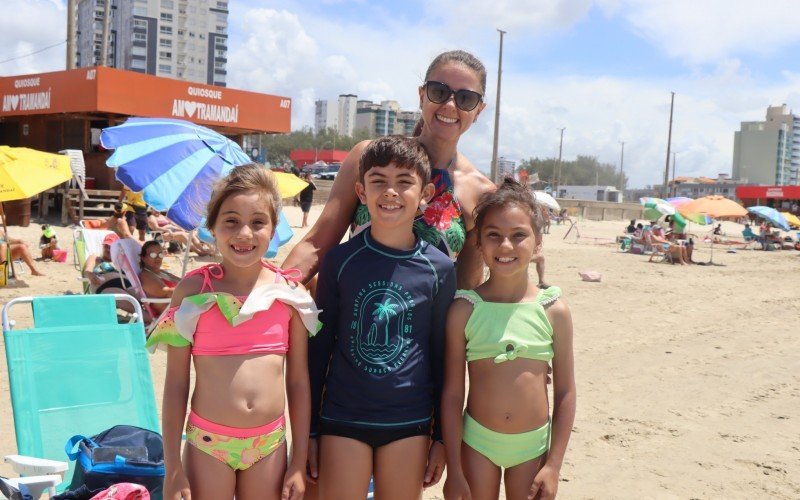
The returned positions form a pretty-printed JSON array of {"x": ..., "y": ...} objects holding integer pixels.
[{"x": 330, "y": 173}]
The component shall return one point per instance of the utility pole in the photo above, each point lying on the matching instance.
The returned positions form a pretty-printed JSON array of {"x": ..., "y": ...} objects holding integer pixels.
[
  {"x": 621, "y": 174},
  {"x": 497, "y": 110},
  {"x": 106, "y": 33},
  {"x": 71, "y": 33},
  {"x": 674, "y": 187},
  {"x": 669, "y": 145},
  {"x": 558, "y": 167}
]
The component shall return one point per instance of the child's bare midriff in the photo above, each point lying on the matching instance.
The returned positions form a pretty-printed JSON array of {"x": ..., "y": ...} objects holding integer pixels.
[
  {"x": 509, "y": 397},
  {"x": 239, "y": 391}
]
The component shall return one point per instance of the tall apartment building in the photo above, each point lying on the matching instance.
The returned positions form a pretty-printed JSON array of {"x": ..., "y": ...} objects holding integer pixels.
[
  {"x": 326, "y": 115},
  {"x": 768, "y": 152},
  {"x": 385, "y": 118},
  {"x": 505, "y": 168},
  {"x": 339, "y": 115},
  {"x": 182, "y": 39},
  {"x": 350, "y": 114},
  {"x": 347, "y": 114}
]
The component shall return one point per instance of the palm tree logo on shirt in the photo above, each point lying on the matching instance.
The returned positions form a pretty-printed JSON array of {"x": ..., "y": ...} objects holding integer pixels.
[
  {"x": 381, "y": 323},
  {"x": 383, "y": 311}
]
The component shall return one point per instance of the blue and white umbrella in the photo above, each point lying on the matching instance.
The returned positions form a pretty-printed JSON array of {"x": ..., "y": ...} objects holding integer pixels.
[
  {"x": 173, "y": 162},
  {"x": 771, "y": 215}
]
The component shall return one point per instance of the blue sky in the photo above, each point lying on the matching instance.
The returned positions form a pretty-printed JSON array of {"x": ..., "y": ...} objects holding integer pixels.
[{"x": 603, "y": 69}]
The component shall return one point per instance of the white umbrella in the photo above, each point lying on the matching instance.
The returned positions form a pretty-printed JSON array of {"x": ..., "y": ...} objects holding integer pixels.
[{"x": 545, "y": 199}]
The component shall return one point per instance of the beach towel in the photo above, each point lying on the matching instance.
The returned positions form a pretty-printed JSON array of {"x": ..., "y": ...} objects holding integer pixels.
[{"x": 592, "y": 276}]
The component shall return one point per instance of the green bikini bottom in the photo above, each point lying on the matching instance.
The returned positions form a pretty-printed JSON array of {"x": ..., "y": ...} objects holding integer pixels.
[{"x": 506, "y": 450}]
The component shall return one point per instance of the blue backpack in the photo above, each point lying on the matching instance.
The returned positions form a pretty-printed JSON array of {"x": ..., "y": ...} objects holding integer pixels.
[{"x": 121, "y": 454}]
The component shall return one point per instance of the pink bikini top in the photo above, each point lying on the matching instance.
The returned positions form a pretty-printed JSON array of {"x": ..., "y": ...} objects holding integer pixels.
[{"x": 266, "y": 332}]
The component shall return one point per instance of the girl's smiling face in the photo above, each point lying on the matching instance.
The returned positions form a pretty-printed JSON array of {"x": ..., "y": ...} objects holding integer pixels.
[
  {"x": 508, "y": 240},
  {"x": 243, "y": 228}
]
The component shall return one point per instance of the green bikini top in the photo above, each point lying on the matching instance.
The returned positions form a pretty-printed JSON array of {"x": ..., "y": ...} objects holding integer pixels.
[{"x": 505, "y": 331}]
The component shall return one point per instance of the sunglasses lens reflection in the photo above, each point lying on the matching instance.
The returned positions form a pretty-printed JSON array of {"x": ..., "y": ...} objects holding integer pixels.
[{"x": 438, "y": 93}]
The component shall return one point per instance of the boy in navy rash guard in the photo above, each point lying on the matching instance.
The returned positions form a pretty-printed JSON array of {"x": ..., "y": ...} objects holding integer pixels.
[{"x": 376, "y": 366}]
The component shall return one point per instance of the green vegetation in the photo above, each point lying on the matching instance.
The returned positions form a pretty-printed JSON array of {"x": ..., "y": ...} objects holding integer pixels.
[
  {"x": 584, "y": 171},
  {"x": 278, "y": 146}
]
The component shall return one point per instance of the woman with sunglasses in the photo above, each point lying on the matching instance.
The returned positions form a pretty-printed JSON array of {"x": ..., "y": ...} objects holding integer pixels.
[
  {"x": 451, "y": 98},
  {"x": 157, "y": 283}
]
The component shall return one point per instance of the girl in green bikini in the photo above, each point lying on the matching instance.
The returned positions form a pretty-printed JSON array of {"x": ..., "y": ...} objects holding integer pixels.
[{"x": 506, "y": 331}]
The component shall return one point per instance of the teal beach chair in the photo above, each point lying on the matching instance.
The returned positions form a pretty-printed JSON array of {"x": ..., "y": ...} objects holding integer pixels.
[{"x": 77, "y": 371}]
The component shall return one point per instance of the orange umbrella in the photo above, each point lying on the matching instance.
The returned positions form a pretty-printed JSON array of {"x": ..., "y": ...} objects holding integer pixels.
[{"x": 715, "y": 206}]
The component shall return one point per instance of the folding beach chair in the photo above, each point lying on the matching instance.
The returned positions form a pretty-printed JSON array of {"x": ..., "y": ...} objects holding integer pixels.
[
  {"x": 85, "y": 243},
  {"x": 76, "y": 371},
  {"x": 125, "y": 256}
]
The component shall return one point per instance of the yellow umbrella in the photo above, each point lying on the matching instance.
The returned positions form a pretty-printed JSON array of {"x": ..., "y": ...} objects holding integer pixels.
[
  {"x": 791, "y": 219},
  {"x": 289, "y": 184},
  {"x": 26, "y": 172}
]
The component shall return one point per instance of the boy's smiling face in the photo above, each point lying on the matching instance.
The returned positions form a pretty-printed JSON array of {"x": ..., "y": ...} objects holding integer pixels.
[{"x": 392, "y": 195}]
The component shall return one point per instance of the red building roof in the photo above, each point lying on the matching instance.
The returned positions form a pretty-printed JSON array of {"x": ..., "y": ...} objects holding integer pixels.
[{"x": 303, "y": 157}]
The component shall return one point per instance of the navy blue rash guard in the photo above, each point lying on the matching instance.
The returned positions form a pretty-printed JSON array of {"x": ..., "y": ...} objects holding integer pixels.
[{"x": 380, "y": 353}]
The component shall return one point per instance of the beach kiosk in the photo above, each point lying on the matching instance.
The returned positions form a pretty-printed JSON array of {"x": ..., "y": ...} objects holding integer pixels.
[{"x": 68, "y": 109}]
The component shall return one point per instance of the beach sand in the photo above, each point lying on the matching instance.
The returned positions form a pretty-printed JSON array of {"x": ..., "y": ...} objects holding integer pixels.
[{"x": 688, "y": 376}]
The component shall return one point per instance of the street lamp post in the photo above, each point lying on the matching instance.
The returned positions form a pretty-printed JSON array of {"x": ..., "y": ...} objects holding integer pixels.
[
  {"x": 621, "y": 174},
  {"x": 560, "y": 149},
  {"x": 497, "y": 111},
  {"x": 669, "y": 145},
  {"x": 674, "y": 186}
]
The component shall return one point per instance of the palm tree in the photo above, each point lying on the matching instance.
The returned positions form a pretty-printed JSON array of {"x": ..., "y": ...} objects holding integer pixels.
[{"x": 385, "y": 310}]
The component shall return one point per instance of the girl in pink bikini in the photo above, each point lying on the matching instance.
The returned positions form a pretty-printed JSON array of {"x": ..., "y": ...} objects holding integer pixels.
[{"x": 237, "y": 321}]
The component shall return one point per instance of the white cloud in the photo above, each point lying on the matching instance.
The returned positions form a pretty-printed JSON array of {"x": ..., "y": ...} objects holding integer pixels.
[
  {"x": 706, "y": 31},
  {"x": 34, "y": 25},
  {"x": 535, "y": 15}
]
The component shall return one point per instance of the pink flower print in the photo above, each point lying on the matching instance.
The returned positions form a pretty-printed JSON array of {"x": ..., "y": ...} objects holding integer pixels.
[
  {"x": 221, "y": 455},
  {"x": 441, "y": 212}
]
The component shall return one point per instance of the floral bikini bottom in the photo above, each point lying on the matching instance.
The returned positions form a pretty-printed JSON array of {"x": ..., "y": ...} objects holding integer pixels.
[{"x": 237, "y": 447}]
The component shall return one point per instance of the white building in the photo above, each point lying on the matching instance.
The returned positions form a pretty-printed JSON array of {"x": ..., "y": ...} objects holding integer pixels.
[
  {"x": 347, "y": 114},
  {"x": 591, "y": 193},
  {"x": 326, "y": 115},
  {"x": 768, "y": 152},
  {"x": 182, "y": 39},
  {"x": 505, "y": 168}
]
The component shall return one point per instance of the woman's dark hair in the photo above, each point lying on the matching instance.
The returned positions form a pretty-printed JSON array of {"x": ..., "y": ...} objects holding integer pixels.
[
  {"x": 118, "y": 209},
  {"x": 510, "y": 192},
  {"x": 243, "y": 179},
  {"x": 145, "y": 250},
  {"x": 454, "y": 56}
]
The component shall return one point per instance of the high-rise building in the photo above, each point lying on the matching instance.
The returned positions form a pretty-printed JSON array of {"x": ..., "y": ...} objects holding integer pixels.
[
  {"x": 385, "y": 118},
  {"x": 768, "y": 152},
  {"x": 182, "y": 39},
  {"x": 347, "y": 114},
  {"x": 326, "y": 115},
  {"x": 505, "y": 168}
]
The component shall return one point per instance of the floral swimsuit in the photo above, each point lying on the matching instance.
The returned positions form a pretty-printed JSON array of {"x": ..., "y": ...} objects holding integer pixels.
[{"x": 441, "y": 223}]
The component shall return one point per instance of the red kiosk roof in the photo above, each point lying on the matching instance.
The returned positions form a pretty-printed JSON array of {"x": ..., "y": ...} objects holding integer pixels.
[{"x": 115, "y": 91}]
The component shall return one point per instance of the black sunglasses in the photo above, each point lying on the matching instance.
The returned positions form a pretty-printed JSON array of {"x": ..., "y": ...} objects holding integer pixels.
[{"x": 438, "y": 93}]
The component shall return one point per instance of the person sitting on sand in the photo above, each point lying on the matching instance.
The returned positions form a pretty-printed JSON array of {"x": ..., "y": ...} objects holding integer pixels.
[
  {"x": 631, "y": 227},
  {"x": 48, "y": 242},
  {"x": 18, "y": 250}
]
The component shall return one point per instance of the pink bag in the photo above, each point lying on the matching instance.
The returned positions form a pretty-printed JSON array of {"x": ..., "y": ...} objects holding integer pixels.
[
  {"x": 590, "y": 275},
  {"x": 123, "y": 491},
  {"x": 59, "y": 255}
]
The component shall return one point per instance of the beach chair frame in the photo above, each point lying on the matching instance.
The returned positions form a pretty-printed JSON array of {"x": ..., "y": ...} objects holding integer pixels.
[{"x": 50, "y": 399}]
